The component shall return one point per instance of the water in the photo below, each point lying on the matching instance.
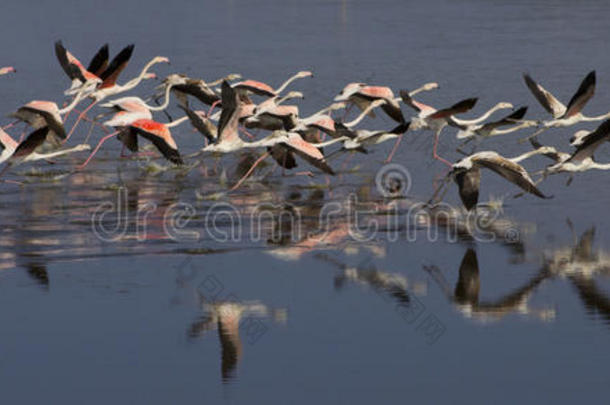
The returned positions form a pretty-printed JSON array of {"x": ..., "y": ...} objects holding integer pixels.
[{"x": 277, "y": 313}]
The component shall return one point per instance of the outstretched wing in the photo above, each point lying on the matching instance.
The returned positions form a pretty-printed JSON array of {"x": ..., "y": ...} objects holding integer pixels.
[
  {"x": 511, "y": 171},
  {"x": 591, "y": 142},
  {"x": 508, "y": 120},
  {"x": 201, "y": 124},
  {"x": 31, "y": 142},
  {"x": 416, "y": 105},
  {"x": 73, "y": 68},
  {"x": 110, "y": 75},
  {"x": 307, "y": 151},
  {"x": 545, "y": 98},
  {"x": 458, "y": 108},
  {"x": 99, "y": 63},
  {"x": 582, "y": 96},
  {"x": 229, "y": 116}
]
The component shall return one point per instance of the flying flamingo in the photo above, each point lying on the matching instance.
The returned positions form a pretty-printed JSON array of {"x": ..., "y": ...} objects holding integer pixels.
[
  {"x": 467, "y": 175},
  {"x": 184, "y": 86},
  {"x": 247, "y": 87},
  {"x": 582, "y": 158},
  {"x": 431, "y": 118},
  {"x": 565, "y": 116},
  {"x": 16, "y": 153},
  {"x": 362, "y": 95},
  {"x": 492, "y": 128},
  {"x": 38, "y": 114},
  {"x": 104, "y": 85},
  {"x": 7, "y": 69},
  {"x": 156, "y": 132},
  {"x": 229, "y": 140},
  {"x": 270, "y": 115}
]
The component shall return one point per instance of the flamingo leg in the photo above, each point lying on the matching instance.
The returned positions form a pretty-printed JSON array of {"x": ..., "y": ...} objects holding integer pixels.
[
  {"x": 212, "y": 108},
  {"x": 12, "y": 124},
  {"x": 434, "y": 148},
  {"x": 394, "y": 149},
  {"x": 249, "y": 172},
  {"x": 80, "y": 117},
  {"x": 104, "y": 139}
]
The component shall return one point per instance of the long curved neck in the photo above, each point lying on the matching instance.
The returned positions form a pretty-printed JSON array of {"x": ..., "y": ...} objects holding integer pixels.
[
  {"x": 425, "y": 87},
  {"x": 163, "y": 106},
  {"x": 136, "y": 80},
  {"x": 323, "y": 111},
  {"x": 481, "y": 118},
  {"x": 177, "y": 122},
  {"x": 39, "y": 156},
  {"x": 363, "y": 114},
  {"x": 599, "y": 166},
  {"x": 597, "y": 117},
  {"x": 511, "y": 129},
  {"x": 529, "y": 154},
  {"x": 77, "y": 99},
  {"x": 286, "y": 83}
]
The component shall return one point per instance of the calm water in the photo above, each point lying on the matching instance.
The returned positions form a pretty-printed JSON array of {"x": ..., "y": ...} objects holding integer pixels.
[{"x": 267, "y": 295}]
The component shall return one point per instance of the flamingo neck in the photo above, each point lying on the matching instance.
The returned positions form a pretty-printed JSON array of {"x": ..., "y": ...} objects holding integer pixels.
[
  {"x": 165, "y": 103},
  {"x": 177, "y": 122},
  {"x": 361, "y": 116},
  {"x": 596, "y": 118},
  {"x": 286, "y": 83},
  {"x": 481, "y": 118}
]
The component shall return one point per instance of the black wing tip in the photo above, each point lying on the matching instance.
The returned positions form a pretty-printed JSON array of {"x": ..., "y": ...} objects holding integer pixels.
[
  {"x": 519, "y": 113},
  {"x": 404, "y": 95}
]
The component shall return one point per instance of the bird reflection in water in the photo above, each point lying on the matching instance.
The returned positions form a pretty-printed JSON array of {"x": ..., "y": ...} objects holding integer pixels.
[
  {"x": 229, "y": 316},
  {"x": 582, "y": 265},
  {"x": 465, "y": 295}
]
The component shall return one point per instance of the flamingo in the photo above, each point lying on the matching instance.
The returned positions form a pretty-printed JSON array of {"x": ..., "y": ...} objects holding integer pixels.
[
  {"x": 356, "y": 140},
  {"x": 362, "y": 95},
  {"x": 110, "y": 87},
  {"x": 467, "y": 175},
  {"x": 492, "y": 128},
  {"x": 229, "y": 141},
  {"x": 185, "y": 86},
  {"x": 201, "y": 123},
  {"x": 565, "y": 116},
  {"x": 582, "y": 158},
  {"x": 6, "y": 70},
  {"x": 262, "y": 89},
  {"x": 38, "y": 114},
  {"x": 270, "y": 115},
  {"x": 431, "y": 118},
  {"x": 16, "y": 153},
  {"x": 157, "y": 133}
]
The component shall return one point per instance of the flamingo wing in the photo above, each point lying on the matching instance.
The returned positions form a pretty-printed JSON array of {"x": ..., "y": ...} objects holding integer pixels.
[
  {"x": 422, "y": 108},
  {"x": 160, "y": 136},
  {"x": 201, "y": 124},
  {"x": 511, "y": 171},
  {"x": 256, "y": 87},
  {"x": 469, "y": 182},
  {"x": 110, "y": 75},
  {"x": 6, "y": 141},
  {"x": 129, "y": 138},
  {"x": 458, "y": 108},
  {"x": 229, "y": 116},
  {"x": 307, "y": 151},
  {"x": 31, "y": 142},
  {"x": 508, "y": 120},
  {"x": 585, "y": 91},
  {"x": 73, "y": 68},
  {"x": 99, "y": 63},
  {"x": 200, "y": 90},
  {"x": 52, "y": 120},
  {"x": 591, "y": 142},
  {"x": 544, "y": 97},
  {"x": 283, "y": 156}
]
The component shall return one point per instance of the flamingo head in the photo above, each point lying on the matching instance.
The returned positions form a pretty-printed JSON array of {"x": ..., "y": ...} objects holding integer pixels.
[
  {"x": 504, "y": 105},
  {"x": 7, "y": 69},
  {"x": 294, "y": 94},
  {"x": 304, "y": 73},
  {"x": 430, "y": 86},
  {"x": 160, "y": 59},
  {"x": 348, "y": 91},
  {"x": 578, "y": 138},
  {"x": 417, "y": 123},
  {"x": 232, "y": 76}
]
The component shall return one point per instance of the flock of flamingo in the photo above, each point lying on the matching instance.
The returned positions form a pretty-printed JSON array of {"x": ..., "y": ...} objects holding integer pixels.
[{"x": 290, "y": 135}]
